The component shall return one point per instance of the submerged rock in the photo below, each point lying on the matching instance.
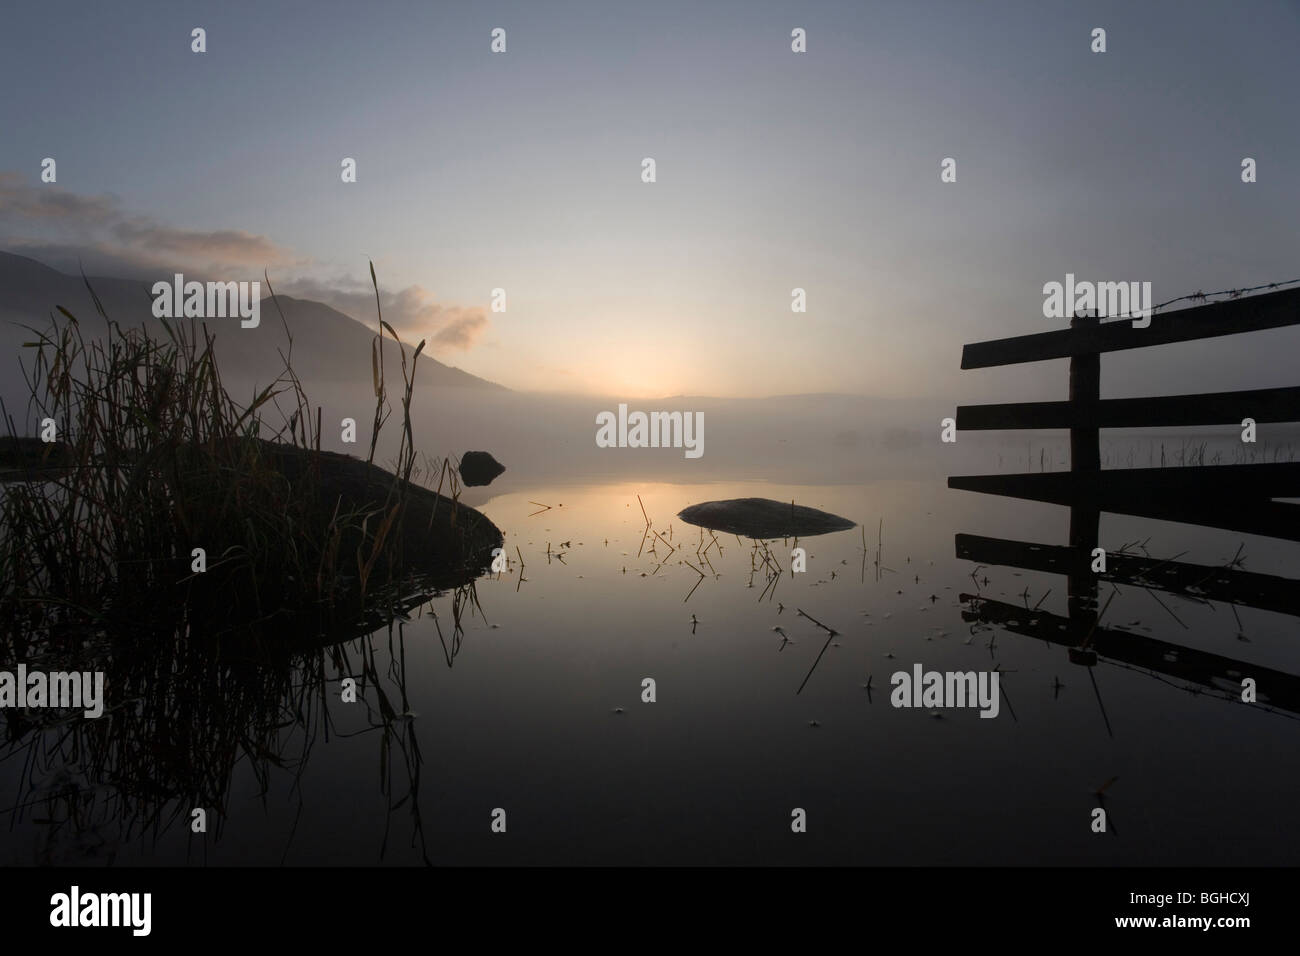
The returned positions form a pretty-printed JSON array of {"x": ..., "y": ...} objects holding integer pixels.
[
  {"x": 479, "y": 468},
  {"x": 763, "y": 518}
]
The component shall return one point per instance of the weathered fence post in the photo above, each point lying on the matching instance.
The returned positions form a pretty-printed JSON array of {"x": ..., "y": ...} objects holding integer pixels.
[
  {"x": 1085, "y": 463},
  {"x": 1085, "y": 399}
]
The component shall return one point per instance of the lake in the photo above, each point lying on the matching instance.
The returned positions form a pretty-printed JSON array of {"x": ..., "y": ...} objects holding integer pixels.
[{"x": 535, "y": 707}]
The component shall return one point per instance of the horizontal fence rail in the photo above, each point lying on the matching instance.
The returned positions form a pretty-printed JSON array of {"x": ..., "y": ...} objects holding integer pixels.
[
  {"x": 1209, "y": 408},
  {"x": 1231, "y": 497},
  {"x": 1211, "y": 671},
  {"x": 1251, "y": 314},
  {"x": 1215, "y": 485},
  {"x": 1265, "y": 592}
]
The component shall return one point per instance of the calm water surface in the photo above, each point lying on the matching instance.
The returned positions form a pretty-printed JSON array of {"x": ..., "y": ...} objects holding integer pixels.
[{"x": 520, "y": 712}]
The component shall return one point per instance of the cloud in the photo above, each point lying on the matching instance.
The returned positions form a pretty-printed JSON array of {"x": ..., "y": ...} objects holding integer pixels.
[
  {"x": 112, "y": 259},
  {"x": 71, "y": 232},
  {"x": 412, "y": 311},
  {"x": 231, "y": 246},
  {"x": 462, "y": 331},
  {"x": 50, "y": 204},
  {"x": 65, "y": 229}
]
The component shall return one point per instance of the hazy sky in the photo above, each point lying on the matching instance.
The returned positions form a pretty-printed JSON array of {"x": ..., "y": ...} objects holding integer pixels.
[{"x": 522, "y": 170}]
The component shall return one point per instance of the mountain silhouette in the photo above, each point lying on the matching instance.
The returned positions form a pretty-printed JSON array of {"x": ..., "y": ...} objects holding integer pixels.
[{"x": 328, "y": 346}]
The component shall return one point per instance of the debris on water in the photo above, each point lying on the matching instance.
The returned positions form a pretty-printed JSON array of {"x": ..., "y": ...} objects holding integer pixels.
[{"x": 1102, "y": 789}]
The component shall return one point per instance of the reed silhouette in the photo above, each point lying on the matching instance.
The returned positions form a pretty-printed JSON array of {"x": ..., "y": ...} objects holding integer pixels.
[{"x": 156, "y": 459}]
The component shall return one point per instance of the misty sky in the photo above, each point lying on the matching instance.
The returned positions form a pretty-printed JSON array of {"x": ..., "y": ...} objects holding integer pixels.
[{"x": 775, "y": 170}]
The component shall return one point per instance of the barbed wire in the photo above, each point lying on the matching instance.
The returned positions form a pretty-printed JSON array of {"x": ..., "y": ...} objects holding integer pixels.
[
  {"x": 1230, "y": 293},
  {"x": 1221, "y": 296}
]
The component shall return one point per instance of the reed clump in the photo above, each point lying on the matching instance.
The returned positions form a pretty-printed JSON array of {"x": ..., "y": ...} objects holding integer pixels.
[{"x": 163, "y": 492}]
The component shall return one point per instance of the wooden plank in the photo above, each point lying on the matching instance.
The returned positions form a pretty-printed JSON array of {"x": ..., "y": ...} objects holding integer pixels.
[
  {"x": 1240, "y": 482},
  {"x": 1232, "y": 497},
  {"x": 1232, "y": 586},
  {"x": 1206, "y": 408},
  {"x": 1250, "y": 314},
  {"x": 1276, "y": 688}
]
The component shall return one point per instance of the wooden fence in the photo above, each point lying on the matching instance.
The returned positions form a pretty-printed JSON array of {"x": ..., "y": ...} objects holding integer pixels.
[{"x": 1232, "y": 497}]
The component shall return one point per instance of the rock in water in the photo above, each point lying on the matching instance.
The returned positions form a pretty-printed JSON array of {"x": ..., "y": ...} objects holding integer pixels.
[
  {"x": 479, "y": 468},
  {"x": 763, "y": 518},
  {"x": 439, "y": 538}
]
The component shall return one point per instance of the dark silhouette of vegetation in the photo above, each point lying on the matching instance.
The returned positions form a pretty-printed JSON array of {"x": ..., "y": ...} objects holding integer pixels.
[{"x": 155, "y": 459}]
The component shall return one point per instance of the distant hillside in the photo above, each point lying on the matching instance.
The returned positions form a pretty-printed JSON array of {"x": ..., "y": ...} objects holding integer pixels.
[{"x": 328, "y": 346}]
